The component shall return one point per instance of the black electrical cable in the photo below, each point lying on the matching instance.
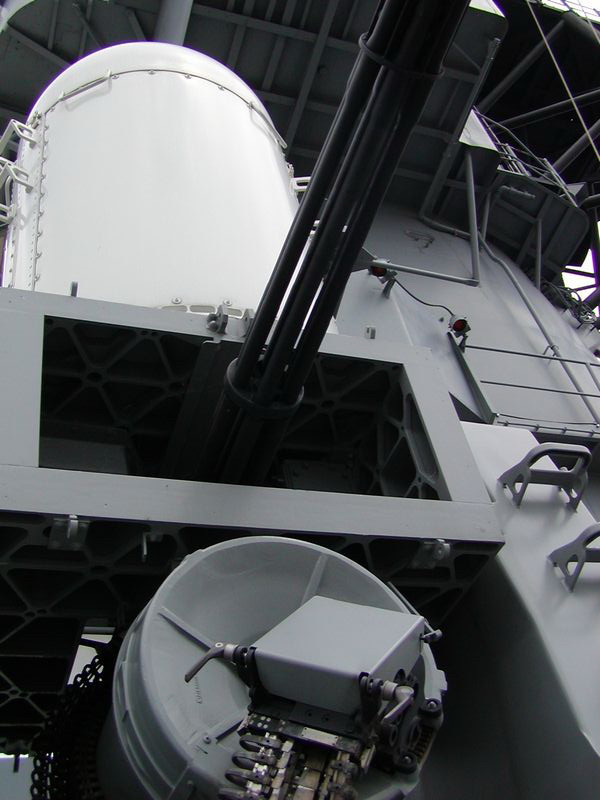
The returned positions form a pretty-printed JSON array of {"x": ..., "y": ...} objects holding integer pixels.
[{"x": 423, "y": 302}]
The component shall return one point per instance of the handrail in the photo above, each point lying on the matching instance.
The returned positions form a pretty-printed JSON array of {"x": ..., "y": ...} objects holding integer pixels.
[
  {"x": 541, "y": 389},
  {"x": 587, "y": 364},
  {"x": 518, "y": 158},
  {"x": 532, "y": 355},
  {"x": 543, "y": 330}
]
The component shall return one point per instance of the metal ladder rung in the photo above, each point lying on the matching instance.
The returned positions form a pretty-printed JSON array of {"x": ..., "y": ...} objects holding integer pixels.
[
  {"x": 572, "y": 481},
  {"x": 577, "y": 551}
]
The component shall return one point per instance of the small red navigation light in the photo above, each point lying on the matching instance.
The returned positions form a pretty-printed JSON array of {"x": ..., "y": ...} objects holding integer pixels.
[
  {"x": 459, "y": 325},
  {"x": 379, "y": 272}
]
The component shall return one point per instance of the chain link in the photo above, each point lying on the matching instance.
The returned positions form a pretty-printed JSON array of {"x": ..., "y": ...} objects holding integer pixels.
[{"x": 64, "y": 753}]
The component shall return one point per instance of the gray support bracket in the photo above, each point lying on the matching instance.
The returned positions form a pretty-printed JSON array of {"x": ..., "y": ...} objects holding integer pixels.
[
  {"x": 485, "y": 410},
  {"x": 68, "y": 533},
  {"x": 217, "y": 322},
  {"x": 578, "y": 551},
  {"x": 572, "y": 480}
]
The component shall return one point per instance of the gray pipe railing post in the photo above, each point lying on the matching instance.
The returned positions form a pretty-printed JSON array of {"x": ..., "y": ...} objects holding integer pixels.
[
  {"x": 501, "y": 88},
  {"x": 543, "y": 112},
  {"x": 538, "y": 255},
  {"x": 486, "y": 215},
  {"x": 472, "y": 208},
  {"x": 577, "y": 148},
  {"x": 173, "y": 20}
]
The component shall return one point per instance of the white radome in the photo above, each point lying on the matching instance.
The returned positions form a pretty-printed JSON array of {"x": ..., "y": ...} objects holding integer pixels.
[{"x": 157, "y": 179}]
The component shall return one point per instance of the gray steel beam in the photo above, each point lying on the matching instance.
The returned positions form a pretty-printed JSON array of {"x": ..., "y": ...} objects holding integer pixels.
[
  {"x": 581, "y": 272},
  {"x": 135, "y": 25},
  {"x": 83, "y": 34},
  {"x": 84, "y": 18},
  {"x": 538, "y": 254},
  {"x": 9, "y": 112},
  {"x": 350, "y": 18},
  {"x": 173, "y": 20},
  {"x": 472, "y": 212},
  {"x": 284, "y": 100},
  {"x": 537, "y": 114},
  {"x": 577, "y": 148},
  {"x": 259, "y": 509},
  {"x": 35, "y": 47},
  {"x": 311, "y": 71},
  {"x": 277, "y": 99},
  {"x": 533, "y": 222},
  {"x": 305, "y": 152},
  {"x": 238, "y": 36},
  {"x": 277, "y": 50},
  {"x": 443, "y": 169},
  {"x": 270, "y": 27},
  {"x": 53, "y": 21},
  {"x": 518, "y": 70},
  {"x": 87, "y": 27},
  {"x": 466, "y": 57}
]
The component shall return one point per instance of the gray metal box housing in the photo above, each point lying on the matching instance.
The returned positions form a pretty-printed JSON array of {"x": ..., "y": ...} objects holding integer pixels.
[{"x": 318, "y": 652}]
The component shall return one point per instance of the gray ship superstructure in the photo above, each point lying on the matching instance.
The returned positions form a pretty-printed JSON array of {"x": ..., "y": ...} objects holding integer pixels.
[{"x": 305, "y": 451}]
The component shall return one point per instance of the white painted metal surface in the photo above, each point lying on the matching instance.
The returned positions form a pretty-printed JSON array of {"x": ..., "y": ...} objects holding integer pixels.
[{"x": 158, "y": 180}]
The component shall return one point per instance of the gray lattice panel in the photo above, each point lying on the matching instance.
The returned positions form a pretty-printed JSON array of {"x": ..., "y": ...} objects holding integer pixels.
[
  {"x": 359, "y": 427},
  {"x": 84, "y": 391},
  {"x": 48, "y": 595},
  {"x": 138, "y": 401},
  {"x": 116, "y": 386}
]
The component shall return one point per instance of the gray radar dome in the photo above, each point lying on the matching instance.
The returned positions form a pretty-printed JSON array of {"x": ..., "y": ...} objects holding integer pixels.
[{"x": 213, "y": 695}]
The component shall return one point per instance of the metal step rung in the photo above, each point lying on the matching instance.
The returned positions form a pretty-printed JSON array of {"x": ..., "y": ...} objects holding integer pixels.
[
  {"x": 577, "y": 551},
  {"x": 572, "y": 480}
]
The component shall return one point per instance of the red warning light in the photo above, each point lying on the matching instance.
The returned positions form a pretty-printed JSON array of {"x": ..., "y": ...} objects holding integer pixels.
[
  {"x": 459, "y": 326},
  {"x": 379, "y": 272}
]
